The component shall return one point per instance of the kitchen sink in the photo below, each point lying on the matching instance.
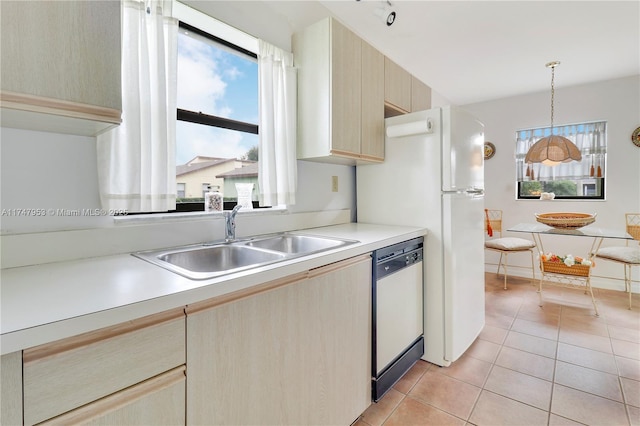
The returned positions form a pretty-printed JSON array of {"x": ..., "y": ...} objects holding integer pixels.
[
  {"x": 297, "y": 244},
  {"x": 215, "y": 259}
]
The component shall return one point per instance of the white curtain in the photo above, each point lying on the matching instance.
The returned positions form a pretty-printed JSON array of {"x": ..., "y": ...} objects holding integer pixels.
[
  {"x": 591, "y": 140},
  {"x": 277, "y": 174},
  {"x": 136, "y": 160}
]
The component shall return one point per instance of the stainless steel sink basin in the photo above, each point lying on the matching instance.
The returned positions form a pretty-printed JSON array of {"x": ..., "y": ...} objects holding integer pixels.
[
  {"x": 297, "y": 244},
  {"x": 201, "y": 262},
  {"x": 204, "y": 261}
]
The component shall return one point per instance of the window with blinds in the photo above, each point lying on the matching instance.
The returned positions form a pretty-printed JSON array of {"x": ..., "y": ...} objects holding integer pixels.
[{"x": 584, "y": 179}]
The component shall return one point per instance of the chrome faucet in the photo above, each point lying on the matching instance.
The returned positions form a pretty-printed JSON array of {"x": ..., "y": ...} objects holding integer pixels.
[{"x": 230, "y": 224}]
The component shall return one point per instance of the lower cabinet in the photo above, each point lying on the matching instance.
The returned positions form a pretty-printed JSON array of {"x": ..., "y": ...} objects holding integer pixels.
[
  {"x": 295, "y": 351},
  {"x": 292, "y": 351},
  {"x": 86, "y": 376},
  {"x": 11, "y": 389},
  {"x": 157, "y": 401}
]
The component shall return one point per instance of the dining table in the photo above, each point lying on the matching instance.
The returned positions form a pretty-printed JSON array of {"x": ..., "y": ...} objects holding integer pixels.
[{"x": 569, "y": 274}]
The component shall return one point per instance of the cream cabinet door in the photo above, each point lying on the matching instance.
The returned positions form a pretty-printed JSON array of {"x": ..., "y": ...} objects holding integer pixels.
[
  {"x": 67, "y": 374},
  {"x": 157, "y": 401},
  {"x": 296, "y": 353},
  {"x": 420, "y": 95},
  {"x": 11, "y": 389},
  {"x": 397, "y": 87},
  {"x": 372, "y": 139},
  {"x": 60, "y": 61},
  {"x": 346, "y": 91}
]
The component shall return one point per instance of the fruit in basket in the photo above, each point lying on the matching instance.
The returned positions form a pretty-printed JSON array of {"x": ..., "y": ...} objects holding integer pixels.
[{"x": 568, "y": 260}]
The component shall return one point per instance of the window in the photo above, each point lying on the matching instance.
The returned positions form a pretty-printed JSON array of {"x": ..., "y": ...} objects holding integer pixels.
[
  {"x": 180, "y": 190},
  {"x": 217, "y": 130},
  {"x": 576, "y": 180}
]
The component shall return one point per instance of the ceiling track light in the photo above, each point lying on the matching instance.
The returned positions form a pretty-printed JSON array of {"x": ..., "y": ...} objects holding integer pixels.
[{"x": 386, "y": 13}]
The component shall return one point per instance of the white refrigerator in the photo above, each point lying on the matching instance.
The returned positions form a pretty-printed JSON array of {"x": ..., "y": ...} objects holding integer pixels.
[{"x": 433, "y": 177}]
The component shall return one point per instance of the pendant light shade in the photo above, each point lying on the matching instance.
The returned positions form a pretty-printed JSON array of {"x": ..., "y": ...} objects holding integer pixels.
[{"x": 552, "y": 150}]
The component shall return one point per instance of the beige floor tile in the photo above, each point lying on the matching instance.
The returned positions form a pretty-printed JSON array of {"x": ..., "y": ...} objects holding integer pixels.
[
  {"x": 623, "y": 317},
  {"x": 527, "y": 363},
  {"x": 585, "y": 340},
  {"x": 555, "y": 420},
  {"x": 410, "y": 378},
  {"x": 532, "y": 312},
  {"x": 378, "y": 412},
  {"x": 493, "y": 334},
  {"x": 484, "y": 350},
  {"x": 531, "y": 306},
  {"x": 587, "y": 358},
  {"x": 446, "y": 393},
  {"x": 413, "y": 412},
  {"x": 626, "y": 349},
  {"x": 493, "y": 409},
  {"x": 623, "y": 333},
  {"x": 634, "y": 415},
  {"x": 533, "y": 344},
  {"x": 495, "y": 319},
  {"x": 539, "y": 329},
  {"x": 631, "y": 390},
  {"x": 521, "y": 387},
  {"x": 629, "y": 368},
  {"x": 586, "y": 324},
  {"x": 588, "y": 380},
  {"x": 586, "y": 408},
  {"x": 360, "y": 422},
  {"x": 467, "y": 369}
]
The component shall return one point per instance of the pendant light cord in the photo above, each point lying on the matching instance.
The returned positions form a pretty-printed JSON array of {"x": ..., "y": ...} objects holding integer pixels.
[
  {"x": 553, "y": 71},
  {"x": 553, "y": 66}
]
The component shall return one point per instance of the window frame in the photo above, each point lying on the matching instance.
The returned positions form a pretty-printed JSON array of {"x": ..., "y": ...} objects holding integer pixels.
[
  {"x": 213, "y": 120},
  {"x": 579, "y": 181}
]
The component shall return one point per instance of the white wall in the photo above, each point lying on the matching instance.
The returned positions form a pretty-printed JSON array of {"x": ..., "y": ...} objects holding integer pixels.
[{"x": 615, "y": 101}]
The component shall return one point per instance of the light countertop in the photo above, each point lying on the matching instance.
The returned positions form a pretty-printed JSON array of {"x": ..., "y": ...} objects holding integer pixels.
[{"x": 44, "y": 303}]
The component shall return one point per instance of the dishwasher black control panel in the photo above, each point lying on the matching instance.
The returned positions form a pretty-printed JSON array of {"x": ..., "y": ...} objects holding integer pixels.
[{"x": 388, "y": 260}]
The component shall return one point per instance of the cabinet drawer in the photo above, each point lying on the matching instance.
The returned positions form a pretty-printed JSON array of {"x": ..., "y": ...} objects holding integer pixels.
[
  {"x": 157, "y": 401},
  {"x": 64, "y": 375}
]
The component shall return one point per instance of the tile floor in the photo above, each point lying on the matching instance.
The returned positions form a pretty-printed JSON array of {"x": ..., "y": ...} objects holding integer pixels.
[{"x": 555, "y": 365}]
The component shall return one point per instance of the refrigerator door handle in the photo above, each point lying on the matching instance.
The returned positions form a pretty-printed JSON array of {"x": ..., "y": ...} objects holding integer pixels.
[{"x": 474, "y": 191}]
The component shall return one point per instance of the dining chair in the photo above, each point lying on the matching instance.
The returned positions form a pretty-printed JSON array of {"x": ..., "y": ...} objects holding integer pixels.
[
  {"x": 628, "y": 255},
  {"x": 505, "y": 245}
]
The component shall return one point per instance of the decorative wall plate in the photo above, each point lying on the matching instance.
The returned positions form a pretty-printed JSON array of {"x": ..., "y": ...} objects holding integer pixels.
[
  {"x": 635, "y": 137},
  {"x": 489, "y": 150}
]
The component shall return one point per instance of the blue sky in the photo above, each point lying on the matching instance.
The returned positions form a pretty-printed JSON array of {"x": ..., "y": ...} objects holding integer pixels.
[{"x": 216, "y": 82}]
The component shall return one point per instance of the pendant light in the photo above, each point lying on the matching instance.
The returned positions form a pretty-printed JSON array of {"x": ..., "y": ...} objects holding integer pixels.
[{"x": 554, "y": 149}]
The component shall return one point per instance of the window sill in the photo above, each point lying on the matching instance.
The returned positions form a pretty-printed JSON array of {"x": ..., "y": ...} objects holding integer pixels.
[{"x": 171, "y": 217}]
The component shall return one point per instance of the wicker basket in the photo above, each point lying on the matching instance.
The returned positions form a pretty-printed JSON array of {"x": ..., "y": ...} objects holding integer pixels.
[
  {"x": 566, "y": 220},
  {"x": 561, "y": 268}
]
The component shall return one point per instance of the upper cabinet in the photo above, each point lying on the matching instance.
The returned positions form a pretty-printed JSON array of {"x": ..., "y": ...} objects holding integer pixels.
[
  {"x": 340, "y": 95},
  {"x": 420, "y": 95},
  {"x": 403, "y": 92},
  {"x": 397, "y": 88},
  {"x": 60, "y": 68},
  {"x": 372, "y": 141}
]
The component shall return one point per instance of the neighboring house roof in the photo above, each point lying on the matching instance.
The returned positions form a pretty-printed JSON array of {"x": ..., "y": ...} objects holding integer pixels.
[
  {"x": 250, "y": 170},
  {"x": 192, "y": 167},
  {"x": 202, "y": 158}
]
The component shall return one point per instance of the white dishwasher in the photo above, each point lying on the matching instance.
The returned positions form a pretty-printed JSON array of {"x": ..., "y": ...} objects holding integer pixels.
[{"x": 397, "y": 328}]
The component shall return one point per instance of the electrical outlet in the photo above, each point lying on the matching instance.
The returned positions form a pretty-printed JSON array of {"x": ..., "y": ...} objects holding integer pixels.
[{"x": 334, "y": 183}]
